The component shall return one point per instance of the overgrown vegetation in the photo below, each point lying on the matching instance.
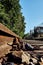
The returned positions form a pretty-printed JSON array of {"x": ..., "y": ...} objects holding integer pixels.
[{"x": 11, "y": 16}]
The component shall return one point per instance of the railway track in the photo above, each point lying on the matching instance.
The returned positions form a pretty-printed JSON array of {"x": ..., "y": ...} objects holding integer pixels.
[{"x": 38, "y": 45}]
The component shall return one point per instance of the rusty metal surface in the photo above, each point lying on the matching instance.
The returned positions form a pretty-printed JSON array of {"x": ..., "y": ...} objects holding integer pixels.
[{"x": 5, "y": 29}]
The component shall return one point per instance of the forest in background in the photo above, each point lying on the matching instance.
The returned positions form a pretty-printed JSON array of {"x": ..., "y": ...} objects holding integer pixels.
[{"x": 11, "y": 16}]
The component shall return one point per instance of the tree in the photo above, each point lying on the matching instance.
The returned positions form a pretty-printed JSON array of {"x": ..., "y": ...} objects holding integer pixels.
[
  {"x": 11, "y": 16},
  {"x": 26, "y": 36}
]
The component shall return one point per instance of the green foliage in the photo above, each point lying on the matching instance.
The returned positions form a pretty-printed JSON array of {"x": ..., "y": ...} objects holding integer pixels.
[
  {"x": 11, "y": 16},
  {"x": 26, "y": 36}
]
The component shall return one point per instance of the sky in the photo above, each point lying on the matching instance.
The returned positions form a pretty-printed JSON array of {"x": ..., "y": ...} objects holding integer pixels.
[{"x": 33, "y": 12}]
